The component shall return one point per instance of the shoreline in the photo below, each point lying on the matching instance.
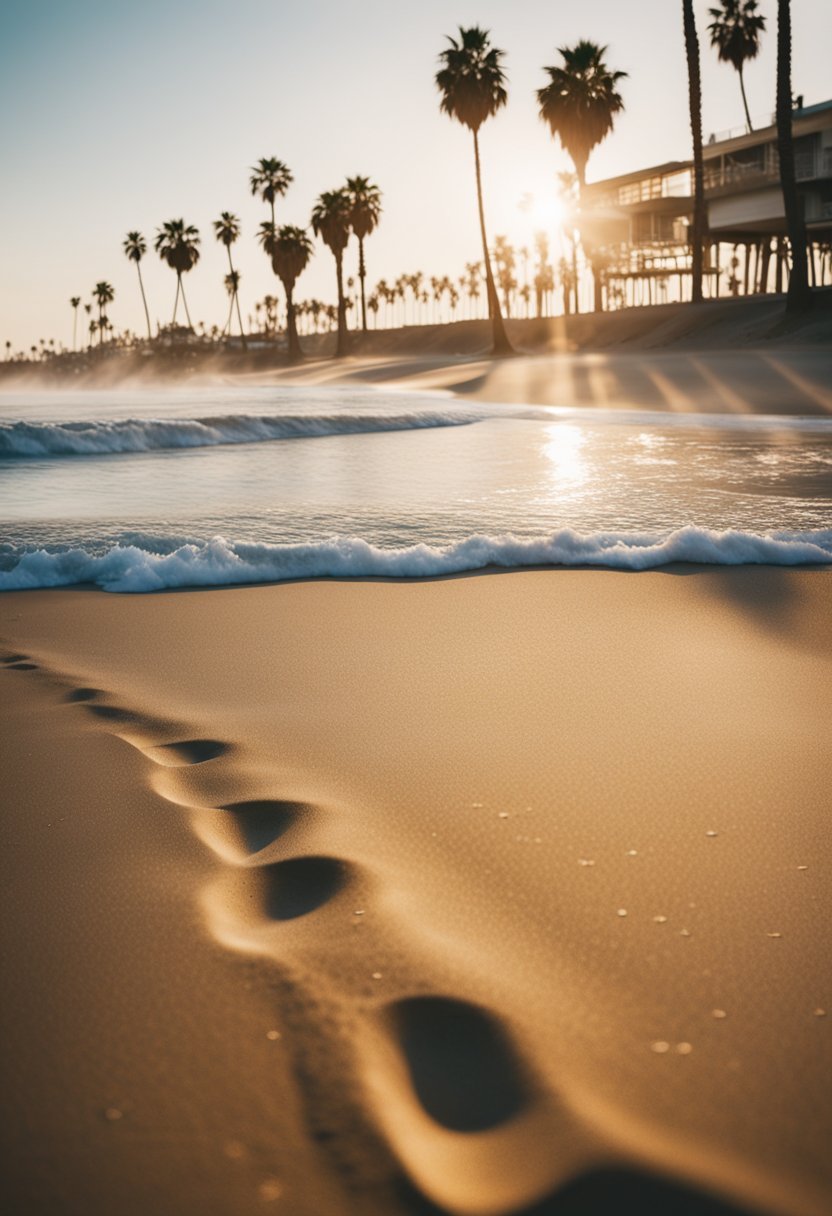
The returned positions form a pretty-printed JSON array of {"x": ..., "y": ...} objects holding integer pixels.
[
  {"x": 727, "y": 355},
  {"x": 376, "y": 817}
]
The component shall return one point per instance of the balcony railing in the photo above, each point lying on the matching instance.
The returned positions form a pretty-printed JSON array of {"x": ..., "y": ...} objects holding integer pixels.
[{"x": 721, "y": 176}]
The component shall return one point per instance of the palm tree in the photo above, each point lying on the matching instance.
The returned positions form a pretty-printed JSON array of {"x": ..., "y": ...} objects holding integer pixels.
[
  {"x": 331, "y": 219},
  {"x": 697, "y": 233},
  {"x": 226, "y": 230},
  {"x": 74, "y": 301},
  {"x": 270, "y": 179},
  {"x": 177, "y": 243},
  {"x": 473, "y": 87},
  {"x": 365, "y": 197},
  {"x": 579, "y": 105},
  {"x": 799, "y": 297},
  {"x": 232, "y": 284},
  {"x": 568, "y": 196},
  {"x": 135, "y": 247},
  {"x": 291, "y": 252},
  {"x": 735, "y": 32},
  {"x": 103, "y": 294}
]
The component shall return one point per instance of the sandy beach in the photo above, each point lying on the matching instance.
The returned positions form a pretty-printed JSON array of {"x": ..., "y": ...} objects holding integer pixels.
[{"x": 480, "y": 893}]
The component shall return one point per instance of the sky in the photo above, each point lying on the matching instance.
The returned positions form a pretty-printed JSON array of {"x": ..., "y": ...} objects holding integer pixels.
[{"x": 119, "y": 115}]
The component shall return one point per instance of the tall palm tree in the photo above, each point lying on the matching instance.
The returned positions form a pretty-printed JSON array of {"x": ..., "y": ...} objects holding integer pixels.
[
  {"x": 103, "y": 294},
  {"x": 75, "y": 301},
  {"x": 365, "y": 198},
  {"x": 331, "y": 219},
  {"x": 226, "y": 230},
  {"x": 567, "y": 193},
  {"x": 735, "y": 32},
  {"x": 473, "y": 87},
  {"x": 799, "y": 296},
  {"x": 291, "y": 252},
  {"x": 579, "y": 104},
  {"x": 135, "y": 247},
  {"x": 231, "y": 282},
  {"x": 270, "y": 179},
  {"x": 697, "y": 233},
  {"x": 177, "y": 243}
]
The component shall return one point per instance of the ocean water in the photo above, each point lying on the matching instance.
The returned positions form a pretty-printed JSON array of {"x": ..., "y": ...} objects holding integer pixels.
[{"x": 140, "y": 490}]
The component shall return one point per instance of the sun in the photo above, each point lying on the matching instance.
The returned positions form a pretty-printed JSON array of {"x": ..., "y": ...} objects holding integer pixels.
[{"x": 546, "y": 212}]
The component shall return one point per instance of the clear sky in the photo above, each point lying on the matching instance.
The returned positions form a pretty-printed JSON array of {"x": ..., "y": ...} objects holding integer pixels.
[{"x": 119, "y": 115}]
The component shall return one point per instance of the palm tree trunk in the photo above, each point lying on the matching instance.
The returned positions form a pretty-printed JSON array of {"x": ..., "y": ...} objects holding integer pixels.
[
  {"x": 577, "y": 308},
  {"x": 237, "y": 299},
  {"x": 501, "y": 344},
  {"x": 597, "y": 289},
  {"x": 295, "y": 352},
  {"x": 75, "y": 328},
  {"x": 185, "y": 303},
  {"x": 144, "y": 299},
  {"x": 745, "y": 101},
  {"x": 341, "y": 345},
  {"x": 695, "y": 102},
  {"x": 176, "y": 297},
  {"x": 799, "y": 297},
  {"x": 362, "y": 272}
]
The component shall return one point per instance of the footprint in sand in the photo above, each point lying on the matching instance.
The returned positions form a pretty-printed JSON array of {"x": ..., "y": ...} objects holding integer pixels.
[
  {"x": 240, "y": 832},
  {"x": 186, "y": 751},
  {"x": 463, "y": 1067},
  {"x": 245, "y": 905},
  {"x": 141, "y": 731},
  {"x": 76, "y": 695},
  {"x": 21, "y": 666},
  {"x": 9, "y": 659}
]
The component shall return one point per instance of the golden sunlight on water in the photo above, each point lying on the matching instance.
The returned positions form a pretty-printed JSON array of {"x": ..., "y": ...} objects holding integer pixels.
[{"x": 564, "y": 448}]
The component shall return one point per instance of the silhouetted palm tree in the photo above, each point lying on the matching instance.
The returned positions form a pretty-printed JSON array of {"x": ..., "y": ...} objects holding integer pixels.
[
  {"x": 365, "y": 197},
  {"x": 226, "y": 230},
  {"x": 135, "y": 247},
  {"x": 103, "y": 294},
  {"x": 473, "y": 87},
  {"x": 291, "y": 252},
  {"x": 270, "y": 179},
  {"x": 799, "y": 296},
  {"x": 74, "y": 301},
  {"x": 177, "y": 243},
  {"x": 331, "y": 218},
  {"x": 568, "y": 196},
  {"x": 697, "y": 232},
  {"x": 735, "y": 32},
  {"x": 232, "y": 286},
  {"x": 579, "y": 106}
]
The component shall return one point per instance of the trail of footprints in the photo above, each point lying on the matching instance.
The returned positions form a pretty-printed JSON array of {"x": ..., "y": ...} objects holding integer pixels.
[
  {"x": 449, "y": 1087},
  {"x": 463, "y": 1070}
]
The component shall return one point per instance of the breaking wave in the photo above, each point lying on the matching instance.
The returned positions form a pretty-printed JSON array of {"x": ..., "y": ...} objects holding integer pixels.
[
  {"x": 151, "y": 566},
  {"x": 97, "y": 438}
]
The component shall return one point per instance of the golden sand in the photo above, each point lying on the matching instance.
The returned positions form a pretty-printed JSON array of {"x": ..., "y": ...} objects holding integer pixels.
[{"x": 490, "y": 884}]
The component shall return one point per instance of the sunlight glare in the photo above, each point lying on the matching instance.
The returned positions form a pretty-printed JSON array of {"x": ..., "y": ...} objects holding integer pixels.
[{"x": 563, "y": 448}]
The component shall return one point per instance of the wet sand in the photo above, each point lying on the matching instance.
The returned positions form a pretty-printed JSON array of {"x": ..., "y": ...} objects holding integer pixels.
[{"x": 480, "y": 893}]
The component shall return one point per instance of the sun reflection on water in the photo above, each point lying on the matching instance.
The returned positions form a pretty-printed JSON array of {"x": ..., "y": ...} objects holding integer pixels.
[{"x": 564, "y": 449}]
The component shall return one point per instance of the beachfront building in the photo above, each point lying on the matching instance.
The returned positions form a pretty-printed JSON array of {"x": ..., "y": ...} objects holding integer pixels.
[
  {"x": 641, "y": 220},
  {"x": 745, "y": 202}
]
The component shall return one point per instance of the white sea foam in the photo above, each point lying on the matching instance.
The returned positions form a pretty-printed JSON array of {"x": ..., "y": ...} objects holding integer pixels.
[
  {"x": 142, "y": 567},
  {"x": 94, "y": 438}
]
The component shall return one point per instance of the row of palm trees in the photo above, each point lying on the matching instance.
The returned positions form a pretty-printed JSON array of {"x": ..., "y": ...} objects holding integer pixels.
[
  {"x": 579, "y": 104},
  {"x": 352, "y": 209}
]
